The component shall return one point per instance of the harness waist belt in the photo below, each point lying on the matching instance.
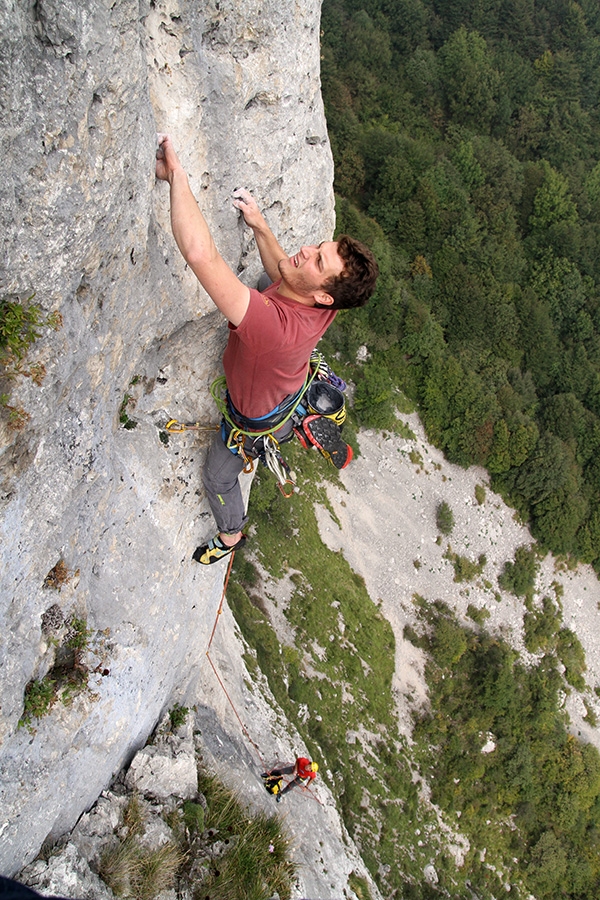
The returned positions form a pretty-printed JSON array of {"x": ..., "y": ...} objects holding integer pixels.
[{"x": 271, "y": 420}]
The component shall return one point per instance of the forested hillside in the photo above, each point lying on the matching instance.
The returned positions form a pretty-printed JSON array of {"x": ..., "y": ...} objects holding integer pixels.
[{"x": 466, "y": 138}]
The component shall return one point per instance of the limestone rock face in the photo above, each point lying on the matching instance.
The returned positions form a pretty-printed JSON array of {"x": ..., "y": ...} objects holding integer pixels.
[{"x": 86, "y": 85}]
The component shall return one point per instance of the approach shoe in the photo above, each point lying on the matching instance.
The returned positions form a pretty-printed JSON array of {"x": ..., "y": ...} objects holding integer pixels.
[
  {"x": 215, "y": 550},
  {"x": 324, "y": 434}
]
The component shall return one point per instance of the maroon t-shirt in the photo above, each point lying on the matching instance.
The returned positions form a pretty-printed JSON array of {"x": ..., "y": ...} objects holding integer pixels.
[{"x": 266, "y": 357}]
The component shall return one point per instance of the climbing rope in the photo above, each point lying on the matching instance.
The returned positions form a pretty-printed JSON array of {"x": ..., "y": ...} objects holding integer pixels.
[
  {"x": 303, "y": 787},
  {"x": 214, "y": 668}
]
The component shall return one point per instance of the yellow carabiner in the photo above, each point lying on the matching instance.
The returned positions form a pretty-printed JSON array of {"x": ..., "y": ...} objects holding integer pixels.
[{"x": 174, "y": 427}]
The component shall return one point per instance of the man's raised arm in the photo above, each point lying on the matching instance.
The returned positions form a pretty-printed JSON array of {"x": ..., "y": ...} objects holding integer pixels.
[
  {"x": 195, "y": 241},
  {"x": 268, "y": 247}
]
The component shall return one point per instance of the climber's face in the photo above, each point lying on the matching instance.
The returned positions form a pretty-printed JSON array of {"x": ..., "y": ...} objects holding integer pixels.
[{"x": 307, "y": 271}]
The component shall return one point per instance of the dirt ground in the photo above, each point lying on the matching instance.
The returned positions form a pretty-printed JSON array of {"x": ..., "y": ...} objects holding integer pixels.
[{"x": 387, "y": 509}]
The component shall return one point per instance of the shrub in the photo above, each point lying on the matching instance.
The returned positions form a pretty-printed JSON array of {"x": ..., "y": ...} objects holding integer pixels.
[
  {"x": 480, "y": 494},
  {"x": 466, "y": 569},
  {"x": 572, "y": 655},
  {"x": 478, "y": 615},
  {"x": 444, "y": 518},
  {"x": 518, "y": 577},
  {"x": 541, "y": 626},
  {"x": 449, "y": 642}
]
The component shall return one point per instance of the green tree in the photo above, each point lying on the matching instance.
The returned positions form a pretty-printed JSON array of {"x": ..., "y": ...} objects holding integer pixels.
[
  {"x": 554, "y": 219},
  {"x": 548, "y": 865},
  {"x": 469, "y": 79}
]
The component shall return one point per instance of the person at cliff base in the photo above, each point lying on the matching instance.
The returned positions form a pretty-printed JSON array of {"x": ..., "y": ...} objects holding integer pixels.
[
  {"x": 271, "y": 333},
  {"x": 303, "y": 770}
]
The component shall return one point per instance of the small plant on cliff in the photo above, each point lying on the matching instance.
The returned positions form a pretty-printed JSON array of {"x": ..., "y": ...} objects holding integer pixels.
[
  {"x": 126, "y": 422},
  {"x": 40, "y": 696},
  {"x": 17, "y": 416},
  {"x": 66, "y": 679},
  {"x": 21, "y": 322},
  {"x": 80, "y": 634},
  {"x": 178, "y": 715}
]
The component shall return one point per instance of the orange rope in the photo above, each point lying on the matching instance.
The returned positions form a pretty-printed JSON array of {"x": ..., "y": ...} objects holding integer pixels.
[
  {"x": 304, "y": 788},
  {"x": 219, "y": 611}
]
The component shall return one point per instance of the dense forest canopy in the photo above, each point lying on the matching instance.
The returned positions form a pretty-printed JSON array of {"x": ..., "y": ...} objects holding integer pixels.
[{"x": 465, "y": 135}]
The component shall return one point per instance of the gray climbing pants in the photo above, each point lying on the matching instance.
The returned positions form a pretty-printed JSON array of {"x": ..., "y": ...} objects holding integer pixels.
[{"x": 221, "y": 480}]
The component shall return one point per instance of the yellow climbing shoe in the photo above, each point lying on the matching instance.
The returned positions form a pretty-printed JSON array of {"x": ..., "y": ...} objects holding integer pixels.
[{"x": 215, "y": 550}]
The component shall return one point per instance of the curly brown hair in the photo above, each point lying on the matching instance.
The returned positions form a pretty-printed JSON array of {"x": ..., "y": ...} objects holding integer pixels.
[{"x": 356, "y": 283}]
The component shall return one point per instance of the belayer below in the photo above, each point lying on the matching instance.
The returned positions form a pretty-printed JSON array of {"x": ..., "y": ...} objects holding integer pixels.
[
  {"x": 303, "y": 770},
  {"x": 271, "y": 337}
]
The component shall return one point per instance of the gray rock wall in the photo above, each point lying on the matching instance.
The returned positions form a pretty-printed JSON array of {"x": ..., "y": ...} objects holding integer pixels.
[{"x": 85, "y": 86}]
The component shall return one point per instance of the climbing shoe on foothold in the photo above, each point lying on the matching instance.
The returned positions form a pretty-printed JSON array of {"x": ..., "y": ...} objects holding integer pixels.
[
  {"x": 278, "y": 798},
  {"x": 326, "y": 436},
  {"x": 215, "y": 550}
]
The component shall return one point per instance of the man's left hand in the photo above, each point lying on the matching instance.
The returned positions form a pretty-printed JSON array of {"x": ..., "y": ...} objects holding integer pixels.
[{"x": 244, "y": 201}]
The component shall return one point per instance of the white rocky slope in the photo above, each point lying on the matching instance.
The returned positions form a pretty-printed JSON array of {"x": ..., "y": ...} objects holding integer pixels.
[{"x": 387, "y": 511}]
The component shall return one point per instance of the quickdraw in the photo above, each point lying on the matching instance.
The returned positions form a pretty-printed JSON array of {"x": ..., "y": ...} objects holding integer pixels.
[
  {"x": 175, "y": 427},
  {"x": 278, "y": 466}
]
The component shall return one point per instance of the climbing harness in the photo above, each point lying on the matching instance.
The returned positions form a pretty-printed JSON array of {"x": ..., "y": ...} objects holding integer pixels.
[
  {"x": 316, "y": 413},
  {"x": 320, "y": 403},
  {"x": 263, "y": 425},
  {"x": 273, "y": 783}
]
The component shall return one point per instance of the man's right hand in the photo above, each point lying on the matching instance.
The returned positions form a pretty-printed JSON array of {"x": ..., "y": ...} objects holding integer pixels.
[{"x": 167, "y": 160}]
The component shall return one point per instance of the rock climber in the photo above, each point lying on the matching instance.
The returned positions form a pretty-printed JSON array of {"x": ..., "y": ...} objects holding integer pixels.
[
  {"x": 303, "y": 770},
  {"x": 271, "y": 334}
]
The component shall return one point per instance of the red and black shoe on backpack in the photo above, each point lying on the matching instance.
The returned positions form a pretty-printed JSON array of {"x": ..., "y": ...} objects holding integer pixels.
[{"x": 326, "y": 436}]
